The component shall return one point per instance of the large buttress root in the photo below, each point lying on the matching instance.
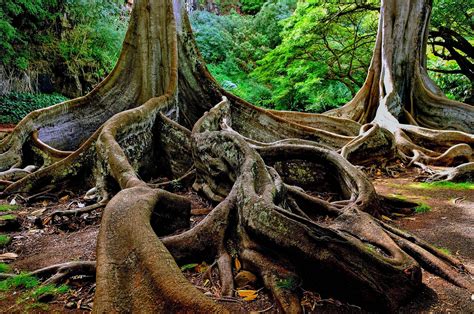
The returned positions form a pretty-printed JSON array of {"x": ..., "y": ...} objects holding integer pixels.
[
  {"x": 274, "y": 217},
  {"x": 289, "y": 201},
  {"x": 398, "y": 95}
]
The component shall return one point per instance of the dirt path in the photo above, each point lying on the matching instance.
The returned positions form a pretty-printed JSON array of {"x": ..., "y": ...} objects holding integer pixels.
[{"x": 449, "y": 225}]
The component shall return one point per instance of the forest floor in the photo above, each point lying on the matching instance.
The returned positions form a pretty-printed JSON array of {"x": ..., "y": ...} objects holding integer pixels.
[{"x": 446, "y": 219}]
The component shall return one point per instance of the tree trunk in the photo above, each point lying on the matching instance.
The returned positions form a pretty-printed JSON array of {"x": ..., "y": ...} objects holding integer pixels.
[{"x": 154, "y": 117}]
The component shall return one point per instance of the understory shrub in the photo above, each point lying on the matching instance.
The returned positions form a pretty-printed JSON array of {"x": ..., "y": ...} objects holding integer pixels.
[{"x": 14, "y": 106}]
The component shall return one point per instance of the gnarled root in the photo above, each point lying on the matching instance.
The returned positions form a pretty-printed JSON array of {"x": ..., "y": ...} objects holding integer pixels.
[
  {"x": 136, "y": 271},
  {"x": 290, "y": 205},
  {"x": 461, "y": 173},
  {"x": 59, "y": 272}
]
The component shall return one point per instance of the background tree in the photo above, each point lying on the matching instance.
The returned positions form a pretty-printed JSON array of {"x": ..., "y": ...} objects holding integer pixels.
[
  {"x": 450, "y": 40},
  {"x": 263, "y": 169},
  {"x": 323, "y": 58},
  {"x": 62, "y": 46}
]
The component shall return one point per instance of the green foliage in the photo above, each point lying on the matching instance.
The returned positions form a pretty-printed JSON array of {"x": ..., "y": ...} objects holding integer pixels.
[
  {"x": 444, "y": 250},
  {"x": 49, "y": 289},
  {"x": 8, "y": 207},
  {"x": 455, "y": 16},
  {"x": 23, "y": 23},
  {"x": 92, "y": 37},
  {"x": 323, "y": 57},
  {"x": 251, "y": 6},
  {"x": 4, "y": 240},
  {"x": 268, "y": 21},
  {"x": 422, "y": 208},
  {"x": 7, "y": 217},
  {"x": 231, "y": 45},
  {"x": 188, "y": 266},
  {"x": 290, "y": 283},
  {"x": 4, "y": 268},
  {"x": 78, "y": 39},
  {"x": 14, "y": 106},
  {"x": 20, "y": 281}
]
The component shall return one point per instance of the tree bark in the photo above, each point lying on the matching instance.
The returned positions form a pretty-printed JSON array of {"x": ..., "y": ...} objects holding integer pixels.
[{"x": 154, "y": 117}]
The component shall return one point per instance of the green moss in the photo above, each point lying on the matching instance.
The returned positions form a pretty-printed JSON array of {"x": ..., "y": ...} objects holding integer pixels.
[
  {"x": 37, "y": 306},
  {"x": 4, "y": 240},
  {"x": 444, "y": 185},
  {"x": 370, "y": 248},
  {"x": 422, "y": 208},
  {"x": 8, "y": 207},
  {"x": 21, "y": 281},
  {"x": 4, "y": 268},
  {"x": 443, "y": 250},
  {"x": 290, "y": 283},
  {"x": 7, "y": 217},
  {"x": 48, "y": 290}
]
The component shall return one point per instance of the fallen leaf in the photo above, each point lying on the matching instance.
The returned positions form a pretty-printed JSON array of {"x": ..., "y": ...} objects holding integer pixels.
[
  {"x": 64, "y": 199},
  {"x": 8, "y": 256},
  {"x": 45, "y": 203},
  {"x": 238, "y": 266},
  {"x": 38, "y": 212},
  {"x": 386, "y": 218},
  {"x": 246, "y": 293},
  {"x": 81, "y": 205},
  {"x": 200, "y": 211},
  {"x": 200, "y": 268},
  {"x": 47, "y": 220},
  {"x": 399, "y": 215},
  {"x": 13, "y": 202},
  {"x": 188, "y": 266},
  {"x": 206, "y": 282},
  {"x": 251, "y": 297},
  {"x": 244, "y": 278}
]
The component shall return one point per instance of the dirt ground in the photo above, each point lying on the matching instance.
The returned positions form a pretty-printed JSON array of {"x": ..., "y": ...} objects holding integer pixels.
[
  {"x": 448, "y": 225},
  {"x": 41, "y": 241}
]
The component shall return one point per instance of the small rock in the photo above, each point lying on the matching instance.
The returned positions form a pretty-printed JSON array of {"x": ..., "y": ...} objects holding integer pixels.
[
  {"x": 208, "y": 293},
  {"x": 71, "y": 305},
  {"x": 244, "y": 278}
]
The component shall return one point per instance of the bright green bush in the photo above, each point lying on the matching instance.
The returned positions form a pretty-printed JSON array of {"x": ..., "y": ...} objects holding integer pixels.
[
  {"x": 315, "y": 67},
  {"x": 251, "y": 6},
  {"x": 14, "y": 106},
  {"x": 23, "y": 24},
  {"x": 92, "y": 40},
  {"x": 76, "y": 40},
  {"x": 232, "y": 44}
]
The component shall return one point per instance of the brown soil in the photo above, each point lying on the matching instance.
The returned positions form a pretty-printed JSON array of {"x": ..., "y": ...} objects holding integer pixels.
[
  {"x": 42, "y": 242},
  {"x": 448, "y": 225}
]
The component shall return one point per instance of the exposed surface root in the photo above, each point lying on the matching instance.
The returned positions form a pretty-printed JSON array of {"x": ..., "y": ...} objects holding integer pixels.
[
  {"x": 59, "y": 272},
  {"x": 290, "y": 204},
  {"x": 461, "y": 173},
  {"x": 78, "y": 211}
]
